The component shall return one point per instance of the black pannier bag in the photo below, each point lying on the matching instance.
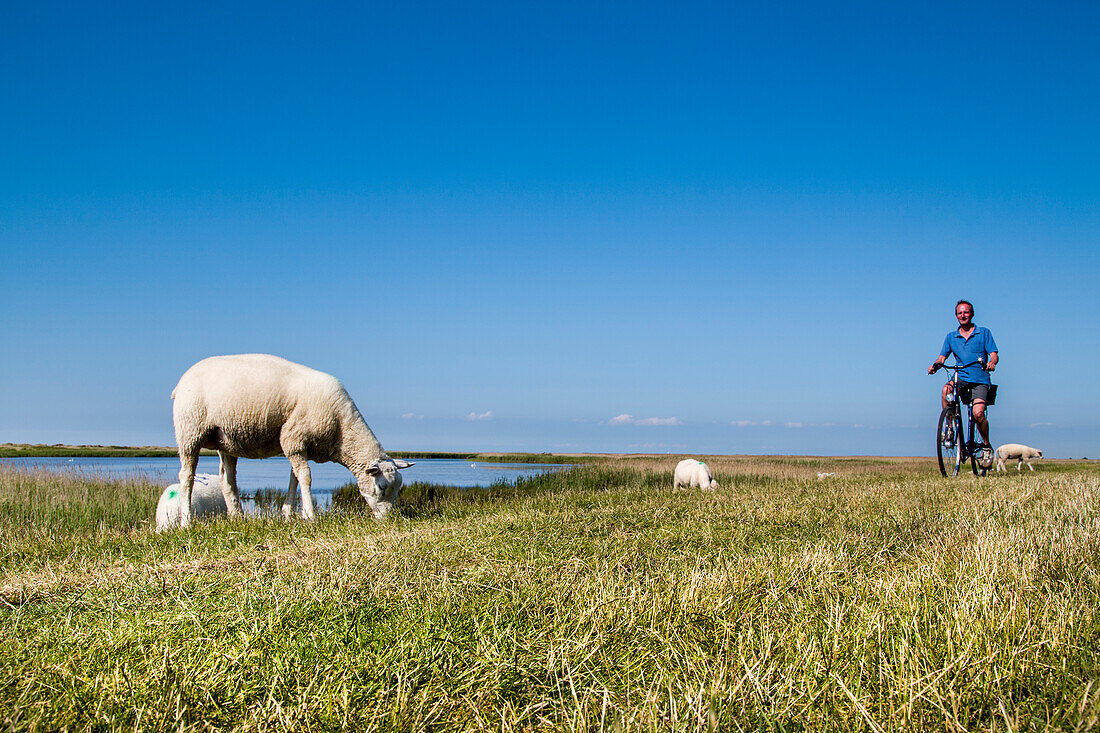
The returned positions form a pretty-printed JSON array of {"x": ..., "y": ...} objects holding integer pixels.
[{"x": 964, "y": 394}]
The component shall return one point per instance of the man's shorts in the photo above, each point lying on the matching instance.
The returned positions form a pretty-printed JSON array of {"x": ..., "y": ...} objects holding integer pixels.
[{"x": 969, "y": 391}]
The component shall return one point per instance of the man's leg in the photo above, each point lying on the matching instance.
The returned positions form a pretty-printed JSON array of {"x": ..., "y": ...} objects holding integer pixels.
[
  {"x": 980, "y": 419},
  {"x": 948, "y": 395}
]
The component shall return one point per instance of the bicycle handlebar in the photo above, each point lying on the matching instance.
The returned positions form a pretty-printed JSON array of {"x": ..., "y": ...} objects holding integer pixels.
[{"x": 957, "y": 367}]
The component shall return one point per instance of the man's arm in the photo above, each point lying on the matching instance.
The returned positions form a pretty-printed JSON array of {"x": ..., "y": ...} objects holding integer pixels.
[
  {"x": 991, "y": 349},
  {"x": 945, "y": 351}
]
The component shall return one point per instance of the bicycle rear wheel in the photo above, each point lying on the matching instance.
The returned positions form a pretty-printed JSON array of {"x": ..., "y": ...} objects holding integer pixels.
[{"x": 949, "y": 440}]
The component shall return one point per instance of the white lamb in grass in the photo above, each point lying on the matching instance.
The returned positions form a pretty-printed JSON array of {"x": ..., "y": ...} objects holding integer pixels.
[
  {"x": 258, "y": 406},
  {"x": 1017, "y": 452},
  {"x": 690, "y": 472},
  {"x": 206, "y": 501}
]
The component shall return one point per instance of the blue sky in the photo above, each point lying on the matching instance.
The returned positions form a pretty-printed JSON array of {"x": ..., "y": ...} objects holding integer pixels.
[{"x": 571, "y": 227}]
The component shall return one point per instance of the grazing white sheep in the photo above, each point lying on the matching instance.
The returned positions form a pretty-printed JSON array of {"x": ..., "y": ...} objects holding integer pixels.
[
  {"x": 690, "y": 472},
  {"x": 258, "y": 406},
  {"x": 206, "y": 501},
  {"x": 1020, "y": 453}
]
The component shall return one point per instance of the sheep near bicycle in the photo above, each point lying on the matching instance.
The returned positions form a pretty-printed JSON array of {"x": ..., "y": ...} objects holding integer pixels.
[{"x": 1017, "y": 452}]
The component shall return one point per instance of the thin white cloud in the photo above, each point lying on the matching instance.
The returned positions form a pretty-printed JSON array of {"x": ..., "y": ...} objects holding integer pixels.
[
  {"x": 625, "y": 419},
  {"x": 487, "y": 415},
  {"x": 793, "y": 425},
  {"x": 742, "y": 423},
  {"x": 659, "y": 421},
  {"x": 412, "y": 416},
  {"x": 1043, "y": 425}
]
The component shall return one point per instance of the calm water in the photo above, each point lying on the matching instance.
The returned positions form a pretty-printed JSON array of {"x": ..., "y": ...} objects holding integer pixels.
[{"x": 274, "y": 473}]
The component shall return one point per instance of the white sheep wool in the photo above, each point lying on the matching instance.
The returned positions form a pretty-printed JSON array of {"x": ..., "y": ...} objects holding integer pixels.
[{"x": 258, "y": 406}]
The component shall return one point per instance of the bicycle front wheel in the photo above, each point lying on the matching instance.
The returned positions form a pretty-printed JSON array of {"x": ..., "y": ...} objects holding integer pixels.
[
  {"x": 975, "y": 453},
  {"x": 977, "y": 467},
  {"x": 949, "y": 440}
]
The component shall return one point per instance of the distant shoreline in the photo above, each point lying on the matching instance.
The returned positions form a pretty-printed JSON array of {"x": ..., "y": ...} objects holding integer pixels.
[{"x": 63, "y": 450}]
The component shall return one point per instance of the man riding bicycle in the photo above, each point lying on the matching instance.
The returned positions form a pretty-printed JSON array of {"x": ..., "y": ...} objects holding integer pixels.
[{"x": 971, "y": 343}]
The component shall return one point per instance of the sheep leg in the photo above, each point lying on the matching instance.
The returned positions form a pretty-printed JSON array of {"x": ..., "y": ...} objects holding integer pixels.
[
  {"x": 291, "y": 497},
  {"x": 301, "y": 470},
  {"x": 227, "y": 471},
  {"x": 1030, "y": 467},
  {"x": 189, "y": 461},
  {"x": 1019, "y": 464}
]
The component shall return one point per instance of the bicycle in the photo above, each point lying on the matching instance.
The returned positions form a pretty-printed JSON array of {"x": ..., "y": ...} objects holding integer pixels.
[{"x": 951, "y": 448}]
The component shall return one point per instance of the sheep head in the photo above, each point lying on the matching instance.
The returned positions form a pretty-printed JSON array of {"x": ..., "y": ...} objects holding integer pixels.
[{"x": 380, "y": 484}]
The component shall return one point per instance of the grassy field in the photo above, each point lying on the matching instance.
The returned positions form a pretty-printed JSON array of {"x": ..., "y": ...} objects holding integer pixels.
[{"x": 883, "y": 598}]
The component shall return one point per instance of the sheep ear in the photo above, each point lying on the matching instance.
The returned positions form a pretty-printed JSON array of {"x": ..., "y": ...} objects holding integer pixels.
[
  {"x": 373, "y": 469},
  {"x": 402, "y": 463}
]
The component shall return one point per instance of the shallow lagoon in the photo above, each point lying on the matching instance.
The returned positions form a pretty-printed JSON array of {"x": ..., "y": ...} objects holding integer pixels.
[{"x": 274, "y": 473}]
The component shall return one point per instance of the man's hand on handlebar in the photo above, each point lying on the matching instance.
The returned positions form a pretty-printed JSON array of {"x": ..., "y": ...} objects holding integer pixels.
[{"x": 980, "y": 362}]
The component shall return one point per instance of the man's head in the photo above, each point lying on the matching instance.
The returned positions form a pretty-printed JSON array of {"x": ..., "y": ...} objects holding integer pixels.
[{"x": 964, "y": 311}]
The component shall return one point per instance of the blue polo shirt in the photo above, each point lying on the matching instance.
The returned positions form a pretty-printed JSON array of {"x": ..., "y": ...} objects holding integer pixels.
[{"x": 978, "y": 346}]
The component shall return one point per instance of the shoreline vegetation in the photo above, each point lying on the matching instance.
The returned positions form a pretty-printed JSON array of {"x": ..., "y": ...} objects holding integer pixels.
[
  {"x": 60, "y": 450},
  {"x": 806, "y": 593}
]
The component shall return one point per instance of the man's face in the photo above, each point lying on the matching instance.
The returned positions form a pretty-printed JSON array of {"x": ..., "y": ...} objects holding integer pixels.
[{"x": 964, "y": 313}]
